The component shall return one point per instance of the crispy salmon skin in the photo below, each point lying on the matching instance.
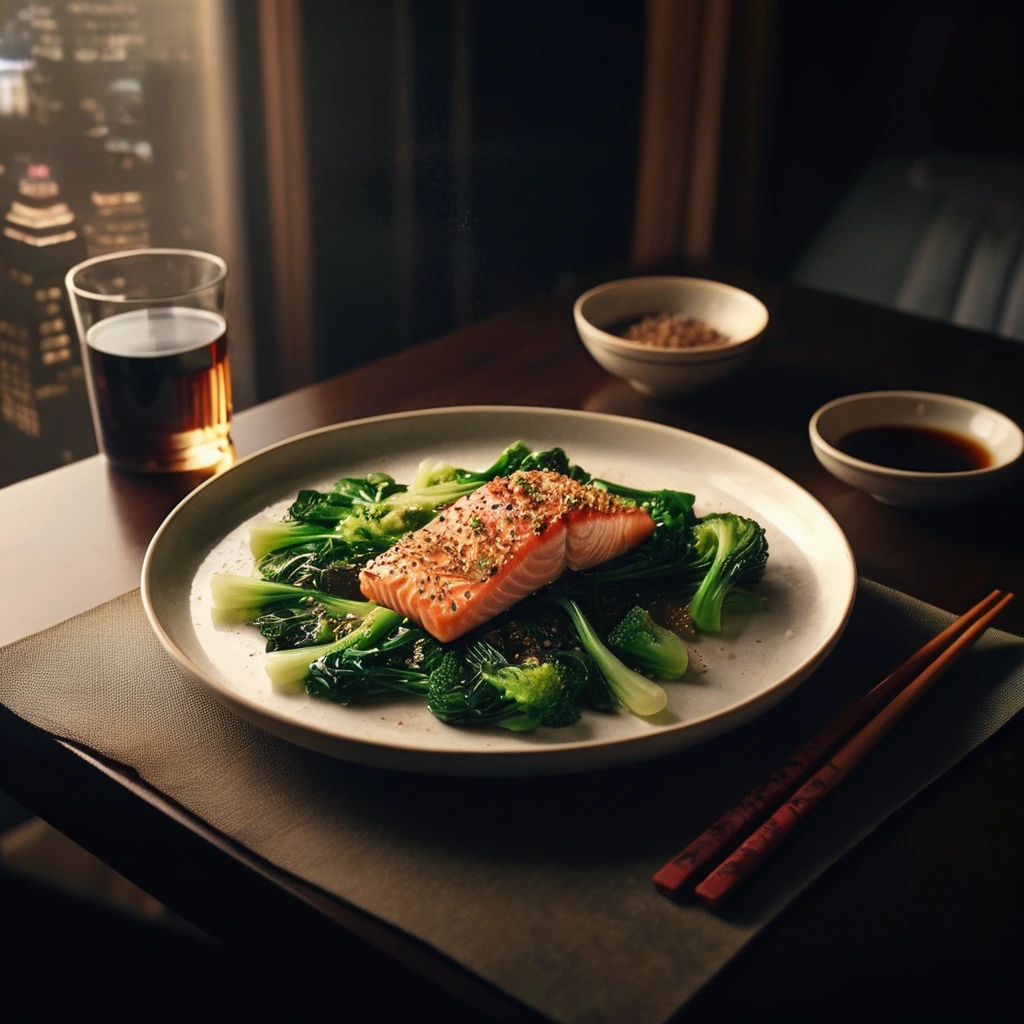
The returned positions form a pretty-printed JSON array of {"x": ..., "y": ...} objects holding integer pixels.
[{"x": 492, "y": 548}]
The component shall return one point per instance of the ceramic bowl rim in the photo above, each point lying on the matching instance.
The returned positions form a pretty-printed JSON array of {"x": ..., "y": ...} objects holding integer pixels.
[
  {"x": 644, "y": 353},
  {"x": 818, "y": 440}
]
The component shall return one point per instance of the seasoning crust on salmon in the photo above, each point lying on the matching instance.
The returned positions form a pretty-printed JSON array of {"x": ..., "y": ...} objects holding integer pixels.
[{"x": 496, "y": 546}]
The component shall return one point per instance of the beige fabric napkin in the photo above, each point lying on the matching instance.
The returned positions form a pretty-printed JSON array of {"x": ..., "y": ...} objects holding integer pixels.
[{"x": 542, "y": 887}]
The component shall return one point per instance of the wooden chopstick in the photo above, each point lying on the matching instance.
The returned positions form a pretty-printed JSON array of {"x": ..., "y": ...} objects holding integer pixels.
[
  {"x": 754, "y": 849},
  {"x": 673, "y": 878}
]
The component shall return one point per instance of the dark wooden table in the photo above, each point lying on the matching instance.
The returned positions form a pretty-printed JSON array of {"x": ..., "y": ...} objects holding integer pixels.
[{"x": 922, "y": 921}]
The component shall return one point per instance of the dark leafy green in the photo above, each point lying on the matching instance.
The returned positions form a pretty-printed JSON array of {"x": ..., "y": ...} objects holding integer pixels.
[
  {"x": 400, "y": 665},
  {"x": 667, "y": 553}
]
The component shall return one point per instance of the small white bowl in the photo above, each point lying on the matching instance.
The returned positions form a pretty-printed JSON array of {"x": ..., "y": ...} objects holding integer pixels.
[
  {"x": 666, "y": 371},
  {"x": 994, "y": 433}
]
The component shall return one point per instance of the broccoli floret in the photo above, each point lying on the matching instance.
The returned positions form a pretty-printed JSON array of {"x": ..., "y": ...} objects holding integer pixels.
[
  {"x": 709, "y": 556},
  {"x": 495, "y": 692},
  {"x": 738, "y": 552},
  {"x": 634, "y": 691},
  {"x": 537, "y": 687},
  {"x": 648, "y": 647},
  {"x": 458, "y": 695}
]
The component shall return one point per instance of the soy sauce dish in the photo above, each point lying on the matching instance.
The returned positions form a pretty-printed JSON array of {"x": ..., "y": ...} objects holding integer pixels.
[{"x": 913, "y": 448}]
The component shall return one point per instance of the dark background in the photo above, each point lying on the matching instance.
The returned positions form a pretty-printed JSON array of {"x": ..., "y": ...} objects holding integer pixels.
[
  {"x": 553, "y": 102},
  {"x": 855, "y": 82}
]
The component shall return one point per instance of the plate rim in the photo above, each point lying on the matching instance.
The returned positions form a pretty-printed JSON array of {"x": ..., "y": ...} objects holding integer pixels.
[{"x": 521, "y": 761}]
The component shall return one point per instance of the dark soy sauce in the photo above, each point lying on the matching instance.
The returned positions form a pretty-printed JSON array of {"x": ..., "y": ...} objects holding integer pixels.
[{"x": 918, "y": 449}]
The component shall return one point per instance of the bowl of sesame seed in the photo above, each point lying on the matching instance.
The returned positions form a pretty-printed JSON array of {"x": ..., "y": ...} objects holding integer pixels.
[{"x": 669, "y": 335}]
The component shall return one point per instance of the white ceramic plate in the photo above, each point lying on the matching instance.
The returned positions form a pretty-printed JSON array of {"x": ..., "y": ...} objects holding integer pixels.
[{"x": 810, "y": 585}]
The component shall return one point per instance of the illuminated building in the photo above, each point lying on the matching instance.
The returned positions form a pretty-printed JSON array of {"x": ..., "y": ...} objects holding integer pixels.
[
  {"x": 14, "y": 87},
  {"x": 87, "y": 83},
  {"x": 118, "y": 222},
  {"x": 77, "y": 47},
  {"x": 42, "y": 390}
]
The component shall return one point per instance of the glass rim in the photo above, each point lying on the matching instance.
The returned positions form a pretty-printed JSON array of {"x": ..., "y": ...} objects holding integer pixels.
[{"x": 112, "y": 257}]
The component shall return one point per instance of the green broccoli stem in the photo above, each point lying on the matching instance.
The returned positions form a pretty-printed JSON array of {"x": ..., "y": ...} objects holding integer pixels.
[
  {"x": 244, "y": 598},
  {"x": 636, "y": 692},
  {"x": 289, "y": 669}
]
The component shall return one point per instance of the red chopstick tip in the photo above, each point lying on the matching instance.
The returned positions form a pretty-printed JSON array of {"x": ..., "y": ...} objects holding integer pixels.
[
  {"x": 670, "y": 880},
  {"x": 709, "y": 893}
]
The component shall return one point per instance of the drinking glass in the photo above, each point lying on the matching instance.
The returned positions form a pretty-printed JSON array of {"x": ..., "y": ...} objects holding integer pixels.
[{"x": 155, "y": 351}]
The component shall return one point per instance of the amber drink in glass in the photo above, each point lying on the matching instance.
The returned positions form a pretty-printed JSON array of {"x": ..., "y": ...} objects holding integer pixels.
[{"x": 155, "y": 350}]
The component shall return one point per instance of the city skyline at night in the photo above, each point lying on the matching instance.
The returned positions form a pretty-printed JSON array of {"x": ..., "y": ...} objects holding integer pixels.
[{"x": 80, "y": 85}]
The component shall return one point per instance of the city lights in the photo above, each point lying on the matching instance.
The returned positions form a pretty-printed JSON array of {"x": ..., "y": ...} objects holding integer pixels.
[
  {"x": 115, "y": 134},
  {"x": 76, "y": 152}
]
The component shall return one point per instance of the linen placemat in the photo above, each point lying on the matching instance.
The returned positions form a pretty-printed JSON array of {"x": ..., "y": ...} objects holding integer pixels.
[{"x": 541, "y": 886}]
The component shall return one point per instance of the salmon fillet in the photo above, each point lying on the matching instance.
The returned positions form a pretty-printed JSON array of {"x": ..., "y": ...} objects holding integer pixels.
[{"x": 498, "y": 545}]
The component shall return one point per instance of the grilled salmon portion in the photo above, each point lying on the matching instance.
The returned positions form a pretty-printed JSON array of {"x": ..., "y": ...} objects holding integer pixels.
[{"x": 498, "y": 545}]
